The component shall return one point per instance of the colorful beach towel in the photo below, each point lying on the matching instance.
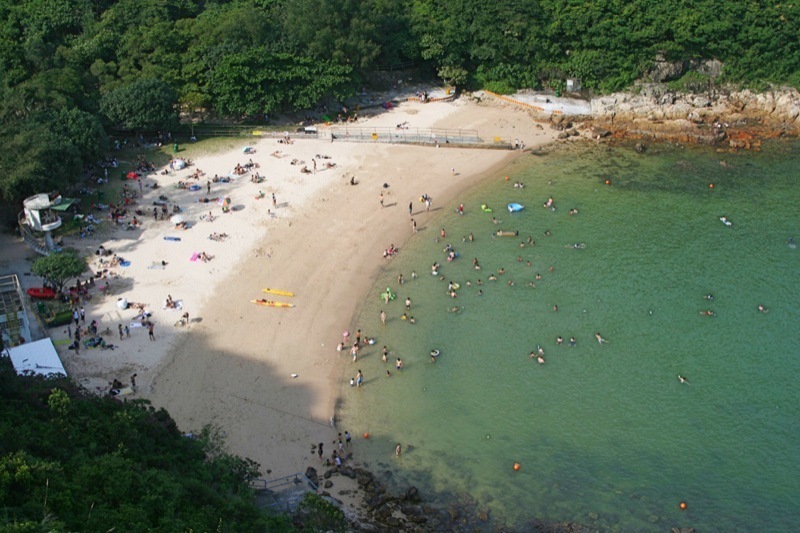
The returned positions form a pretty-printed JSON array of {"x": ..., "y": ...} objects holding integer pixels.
[
  {"x": 124, "y": 264},
  {"x": 169, "y": 238},
  {"x": 194, "y": 257}
]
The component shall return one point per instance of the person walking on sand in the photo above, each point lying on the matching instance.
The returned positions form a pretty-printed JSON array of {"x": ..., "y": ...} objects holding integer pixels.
[
  {"x": 382, "y": 199},
  {"x": 83, "y": 315},
  {"x": 274, "y": 201},
  {"x": 413, "y": 226},
  {"x": 133, "y": 382},
  {"x": 120, "y": 332},
  {"x": 319, "y": 451},
  {"x": 410, "y": 208},
  {"x": 150, "y": 331},
  {"x": 347, "y": 438},
  {"x": 127, "y": 332},
  {"x": 383, "y": 317}
]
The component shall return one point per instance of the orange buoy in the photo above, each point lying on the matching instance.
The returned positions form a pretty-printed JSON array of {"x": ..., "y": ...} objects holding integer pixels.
[
  {"x": 516, "y": 466},
  {"x": 366, "y": 435},
  {"x": 710, "y": 185},
  {"x": 683, "y": 506},
  {"x": 608, "y": 182}
]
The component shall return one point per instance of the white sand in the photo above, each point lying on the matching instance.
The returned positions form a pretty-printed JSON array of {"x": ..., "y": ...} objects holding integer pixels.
[{"x": 232, "y": 366}]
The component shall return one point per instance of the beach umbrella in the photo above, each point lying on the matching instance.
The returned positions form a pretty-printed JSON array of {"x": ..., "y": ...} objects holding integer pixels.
[
  {"x": 177, "y": 219},
  {"x": 225, "y": 202}
]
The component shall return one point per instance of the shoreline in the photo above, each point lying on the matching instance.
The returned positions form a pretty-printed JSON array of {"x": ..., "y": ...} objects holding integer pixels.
[{"x": 302, "y": 340}]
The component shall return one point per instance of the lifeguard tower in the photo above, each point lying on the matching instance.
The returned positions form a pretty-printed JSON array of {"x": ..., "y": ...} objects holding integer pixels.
[{"x": 39, "y": 219}]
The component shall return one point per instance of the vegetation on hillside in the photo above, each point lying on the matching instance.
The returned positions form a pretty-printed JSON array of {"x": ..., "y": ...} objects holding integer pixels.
[
  {"x": 71, "y": 70},
  {"x": 70, "y": 461}
]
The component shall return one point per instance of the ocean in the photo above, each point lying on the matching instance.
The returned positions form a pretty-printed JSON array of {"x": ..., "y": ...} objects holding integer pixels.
[{"x": 601, "y": 434}]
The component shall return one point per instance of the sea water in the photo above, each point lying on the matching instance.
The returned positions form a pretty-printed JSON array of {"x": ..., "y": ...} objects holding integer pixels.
[{"x": 604, "y": 434}]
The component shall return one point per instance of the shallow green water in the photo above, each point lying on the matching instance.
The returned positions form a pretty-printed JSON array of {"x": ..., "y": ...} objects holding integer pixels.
[{"x": 605, "y": 435}]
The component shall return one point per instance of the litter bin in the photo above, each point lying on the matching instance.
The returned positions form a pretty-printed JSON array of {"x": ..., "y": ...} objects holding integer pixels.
[{"x": 175, "y": 148}]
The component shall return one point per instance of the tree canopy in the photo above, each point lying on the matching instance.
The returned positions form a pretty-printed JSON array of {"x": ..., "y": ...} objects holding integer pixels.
[
  {"x": 70, "y": 461},
  {"x": 75, "y": 68},
  {"x": 59, "y": 268}
]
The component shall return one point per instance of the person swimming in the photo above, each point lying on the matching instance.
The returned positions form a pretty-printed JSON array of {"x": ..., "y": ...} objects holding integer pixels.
[{"x": 682, "y": 379}]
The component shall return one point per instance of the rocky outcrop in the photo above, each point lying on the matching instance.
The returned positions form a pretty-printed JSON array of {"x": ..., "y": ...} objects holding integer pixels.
[{"x": 736, "y": 119}]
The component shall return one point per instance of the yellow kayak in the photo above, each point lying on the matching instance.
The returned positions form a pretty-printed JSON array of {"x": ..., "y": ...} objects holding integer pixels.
[
  {"x": 278, "y": 292},
  {"x": 271, "y": 303}
]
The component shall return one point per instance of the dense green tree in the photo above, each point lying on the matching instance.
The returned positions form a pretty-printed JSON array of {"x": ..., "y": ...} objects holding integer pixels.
[
  {"x": 59, "y": 268},
  {"x": 36, "y": 159},
  {"x": 70, "y": 461},
  {"x": 257, "y": 82},
  {"x": 147, "y": 104}
]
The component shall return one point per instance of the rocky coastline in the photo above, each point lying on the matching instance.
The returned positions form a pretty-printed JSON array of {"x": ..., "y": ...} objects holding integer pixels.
[
  {"x": 729, "y": 119},
  {"x": 385, "y": 511}
]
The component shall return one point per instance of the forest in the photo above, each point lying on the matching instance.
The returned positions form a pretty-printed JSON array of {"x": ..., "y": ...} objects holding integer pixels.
[
  {"x": 72, "y": 461},
  {"x": 72, "y": 71}
]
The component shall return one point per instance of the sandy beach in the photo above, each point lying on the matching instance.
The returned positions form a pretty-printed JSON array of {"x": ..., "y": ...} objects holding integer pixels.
[{"x": 268, "y": 378}]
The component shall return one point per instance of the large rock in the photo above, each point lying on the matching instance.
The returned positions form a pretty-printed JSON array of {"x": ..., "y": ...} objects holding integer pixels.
[
  {"x": 311, "y": 474},
  {"x": 663, "y": 70},
  {"x": 412, "y": 495}
]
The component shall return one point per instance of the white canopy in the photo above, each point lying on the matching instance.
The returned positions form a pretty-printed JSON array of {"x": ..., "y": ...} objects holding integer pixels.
[{"x": 38, "y": 357}]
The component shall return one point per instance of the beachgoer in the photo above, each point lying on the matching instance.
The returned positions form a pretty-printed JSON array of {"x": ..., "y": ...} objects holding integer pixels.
[
  {"x": 762, "y": 309},
  {"x": 133, "y": 382},
  {"x": 127, "y": 332},
  {"x": 359, "y": 378},
  {"x": 572, "y": 341},
  {"x": 381, "y": 198},
  {"x": 397, "y": 450},
  {"x": 682, "y": 379},
  {"x": 383, "y": 317},
  {"x": 319, "y": 451},
  {"x": 413, "y": 225},
  {"x": 347, "y": 438},
  {"x": 408, "y": 303},
  {"x": 120, "y": 332},
  {"x": 150, "y": 331},
  {"x": 398, "y": 364},
  {"x": 384, "y": 354},
  {"x": 559, "y": 340},
  {"x": 410, "y": 208},
  {"x": 600, "y": 338}
]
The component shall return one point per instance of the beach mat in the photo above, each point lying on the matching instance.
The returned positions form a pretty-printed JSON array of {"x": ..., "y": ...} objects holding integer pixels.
[
  {"x": 194, "y": 257},
  {"x": 62, "y": 342},
  {"x": 124, "y": 264},
  {"x": 168, "y": 238},
  {"x": 157, "y": 266}
]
